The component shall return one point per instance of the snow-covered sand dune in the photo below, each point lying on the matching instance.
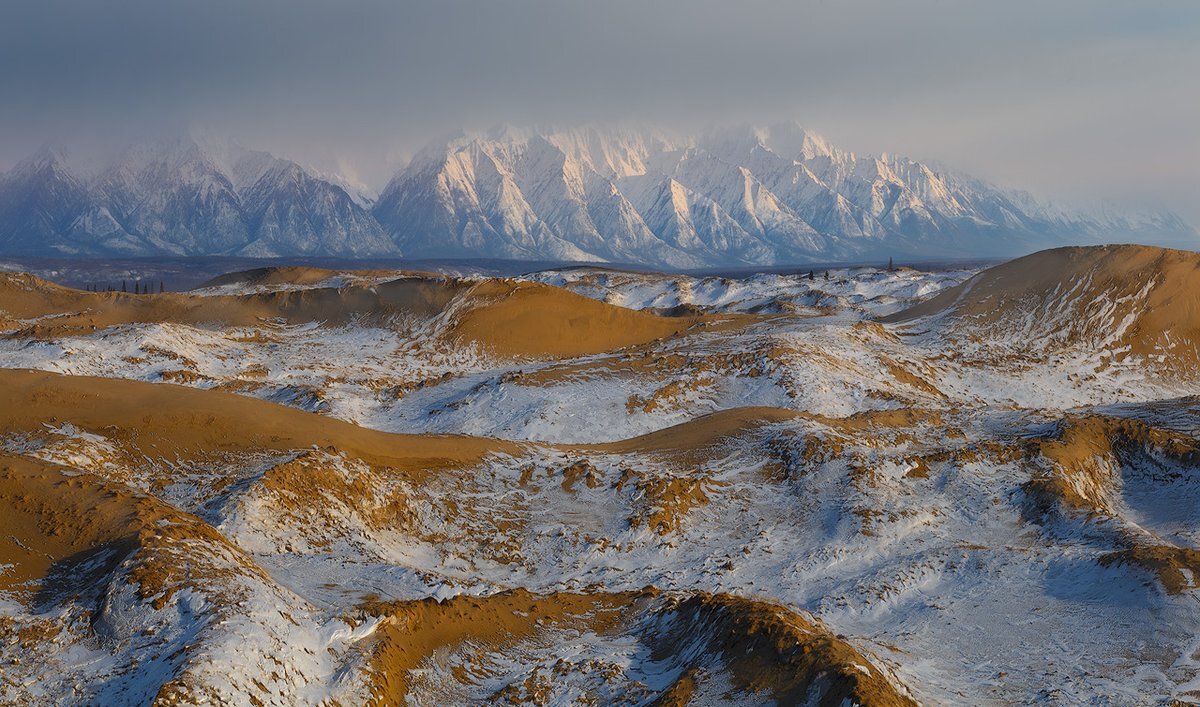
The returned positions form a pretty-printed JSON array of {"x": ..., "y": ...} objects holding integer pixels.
[{"x": 723, "y": 490}]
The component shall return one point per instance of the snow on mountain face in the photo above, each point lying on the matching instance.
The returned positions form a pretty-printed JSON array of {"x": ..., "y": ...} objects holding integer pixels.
[
  {"x": 738, "y": 196},
  {"x": 290, "y": 210},
  {"x": 182, "y": 197},
  {"x": 176, "y": 198},
  {"x": 42, "y": 205},
  {"x": 362, "y": 194}
]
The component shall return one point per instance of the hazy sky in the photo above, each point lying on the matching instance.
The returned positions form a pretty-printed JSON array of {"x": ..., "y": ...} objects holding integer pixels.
[{"x": 1068, "y": 97}]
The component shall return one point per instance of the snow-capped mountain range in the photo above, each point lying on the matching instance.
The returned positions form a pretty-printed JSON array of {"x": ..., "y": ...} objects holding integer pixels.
[{"x": 740, "y": 196}]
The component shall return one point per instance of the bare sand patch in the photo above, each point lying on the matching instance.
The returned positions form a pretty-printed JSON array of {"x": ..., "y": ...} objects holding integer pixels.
[
  {"x": 1137, "y": 300},
  {"x": 507, "y": 318},
  {"x": 765, "y": 649},
  {"x": 175, "y": 421}
]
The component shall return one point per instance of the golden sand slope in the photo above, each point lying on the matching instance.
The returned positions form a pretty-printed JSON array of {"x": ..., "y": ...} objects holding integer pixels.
[
  {"x": 66, "y": 311},
  {"x": 769, "y": 651},
  {"x": 1086, "y": 294},
  {"x": 154, "y": 421},
  {"x": 694, "y": 439},
  {"x": 506, "y": 317},
  {"x": 55, "y": 523},
  {"x": 529, "y": 319},
  {"x": 178, "y": 420},
  {"x": 1085, "y": 451},
  {"x": 54, "y": 520},
  {"x": 303, "y": 276},
  {"x": 1079, "y": 472},
  {"x": 145, "y": 422},
  {"x": 166, "y": 420},
  {"x": 49, "y": 517}
]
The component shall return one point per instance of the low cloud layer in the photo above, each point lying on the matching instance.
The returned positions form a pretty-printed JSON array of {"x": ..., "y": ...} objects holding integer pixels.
[{"x": 1069, "y": 98}]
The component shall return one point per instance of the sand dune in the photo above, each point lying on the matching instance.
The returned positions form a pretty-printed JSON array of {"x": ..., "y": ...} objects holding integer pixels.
[
  {"x": 63, "y": 526},
  {"x": 151, "y": 605},
  {"x": 303, "y": 276},
  {"x": 180, "y": 419},
  {"x": 527, "y": 319},
  {"x": 505, "y": 317},
  {"x": 701, "y": 647},
  {"x": 1140, "y": 479},
  {"x": 173, "y": 420},
  {"x": 51, "y": 520},
  {"x": 990, "y": 499},
  {"x": 1130, "y": 301},
  {"x": 691, "y": 440}
]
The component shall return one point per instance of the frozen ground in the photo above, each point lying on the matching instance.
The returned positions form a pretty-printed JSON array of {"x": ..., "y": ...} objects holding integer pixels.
[
  {"x": 914, "y": 535},
  {"x": 824, "y": 357},
  {"x": 867, "y": 290}
]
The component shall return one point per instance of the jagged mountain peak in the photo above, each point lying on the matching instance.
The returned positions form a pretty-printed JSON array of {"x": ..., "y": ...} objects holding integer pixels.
[
  {"x": 49, "y": 161},
  {"x": 789, "y": 140},
  {"x": 739, "y": 195},
  {"x": 794, "y": 141},
  {"x": 785, "y": 185},
  {"x": 344, "y": 177},
  {"x": 184, "y": 194}
]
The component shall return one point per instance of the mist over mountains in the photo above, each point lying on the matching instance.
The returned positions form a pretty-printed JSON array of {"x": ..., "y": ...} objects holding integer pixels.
[{"x": 736, "y": 196}]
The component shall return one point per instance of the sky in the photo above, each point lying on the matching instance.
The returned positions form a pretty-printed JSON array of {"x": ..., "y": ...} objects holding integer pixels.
[{"x": 1067, "y": 98}]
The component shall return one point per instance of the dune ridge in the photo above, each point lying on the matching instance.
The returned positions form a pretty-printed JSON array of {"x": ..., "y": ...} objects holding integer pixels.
[
  {"x": 1127, "y": 301},
  {"x": 761, "y": 650},
  {"x": 487, "y": 490},
  {"x": 506, "y": 318}
]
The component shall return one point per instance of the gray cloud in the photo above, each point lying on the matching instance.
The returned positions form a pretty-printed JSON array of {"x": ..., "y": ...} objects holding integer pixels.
[{"x": 1069, "y": 96}]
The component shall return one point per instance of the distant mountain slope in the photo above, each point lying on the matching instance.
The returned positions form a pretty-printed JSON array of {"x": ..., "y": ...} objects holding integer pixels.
[
  {"x": 180, "y": 197},
  {"x": 44, "y": 208},
  {"x": 741, "y": 196}
]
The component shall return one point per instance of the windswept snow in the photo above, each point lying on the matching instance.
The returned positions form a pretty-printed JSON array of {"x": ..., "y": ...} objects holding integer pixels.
[{"x": 984, "y": 514}]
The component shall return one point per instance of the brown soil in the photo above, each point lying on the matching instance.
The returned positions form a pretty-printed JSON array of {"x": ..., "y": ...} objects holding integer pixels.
[
  {"x": 183, "y": 376},
  {"x": 665, "y": 501},
  {"x": 666, "y": 395},
  {"x": 582, "y": 469},
  {"x": 907, "y": 377},
  {"x": 880, "y": 419},
  {"x": 313, "y": 493}
]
